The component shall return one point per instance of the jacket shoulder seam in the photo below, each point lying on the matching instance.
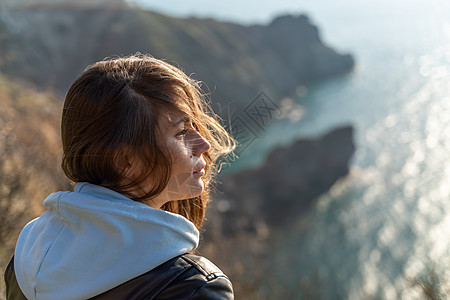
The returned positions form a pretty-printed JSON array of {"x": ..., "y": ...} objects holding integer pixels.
[
  {"x": 209, "y": 275},
  {"x": 205, "y": 284}
]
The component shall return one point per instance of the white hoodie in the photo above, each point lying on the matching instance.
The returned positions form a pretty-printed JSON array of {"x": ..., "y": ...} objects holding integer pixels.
[{"x": 93, "y": 239}]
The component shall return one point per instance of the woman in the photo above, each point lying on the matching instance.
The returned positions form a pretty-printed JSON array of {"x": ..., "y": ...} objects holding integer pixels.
[{"x": 141, "y": 145}]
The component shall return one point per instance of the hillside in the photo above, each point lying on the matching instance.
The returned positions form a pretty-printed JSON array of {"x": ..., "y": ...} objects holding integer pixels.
[
  {"x": 49, "y": 45},
  {"x": 29, "y": 154}
]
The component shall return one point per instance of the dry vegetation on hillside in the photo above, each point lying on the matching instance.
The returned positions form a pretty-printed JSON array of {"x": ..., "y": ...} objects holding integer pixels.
[{"x": 29, "y": 158}]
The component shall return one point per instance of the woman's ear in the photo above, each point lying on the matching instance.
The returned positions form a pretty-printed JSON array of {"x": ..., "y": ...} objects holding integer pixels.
[{"x": 123, "y": 162}]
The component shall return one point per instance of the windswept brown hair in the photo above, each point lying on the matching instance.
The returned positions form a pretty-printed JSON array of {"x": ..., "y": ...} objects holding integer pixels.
[{"x": 116, "y": 104}]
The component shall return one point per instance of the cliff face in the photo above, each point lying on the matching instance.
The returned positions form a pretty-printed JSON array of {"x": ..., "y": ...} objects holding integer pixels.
[{"x": 51, "y": 44}]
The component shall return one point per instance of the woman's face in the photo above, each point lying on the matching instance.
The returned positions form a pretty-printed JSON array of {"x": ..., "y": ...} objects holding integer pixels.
[{"x": 186, "y": 146}]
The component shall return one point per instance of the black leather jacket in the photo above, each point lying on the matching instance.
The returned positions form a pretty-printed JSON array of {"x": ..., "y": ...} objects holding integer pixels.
[{"x": 184, "y": 277}]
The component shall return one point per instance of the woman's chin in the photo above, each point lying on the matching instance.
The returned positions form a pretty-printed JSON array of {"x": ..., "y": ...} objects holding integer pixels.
[
  {"x": 189, "y": 188},
  {"x": 197, "y": 188}
]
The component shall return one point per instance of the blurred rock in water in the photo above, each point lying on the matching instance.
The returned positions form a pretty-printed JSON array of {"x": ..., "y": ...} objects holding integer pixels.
[{"x": 285, "y": 186}]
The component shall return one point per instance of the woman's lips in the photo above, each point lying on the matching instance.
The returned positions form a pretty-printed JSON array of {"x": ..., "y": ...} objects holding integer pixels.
[{"x": 200, "y": 172}]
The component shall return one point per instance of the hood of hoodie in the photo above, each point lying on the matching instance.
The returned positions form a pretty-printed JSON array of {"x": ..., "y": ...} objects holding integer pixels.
[{"x": 93, "y": 239}]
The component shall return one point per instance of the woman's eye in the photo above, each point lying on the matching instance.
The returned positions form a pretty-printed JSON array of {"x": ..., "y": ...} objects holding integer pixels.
[{"x": 182, "y": 132}]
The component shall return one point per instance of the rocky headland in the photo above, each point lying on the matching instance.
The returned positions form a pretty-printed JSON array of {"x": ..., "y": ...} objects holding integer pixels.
[{"x": 49, "y": 42}]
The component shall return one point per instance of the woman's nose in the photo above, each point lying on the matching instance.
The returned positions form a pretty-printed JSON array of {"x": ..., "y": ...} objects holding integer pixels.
[{"x": 200, "y": 145}]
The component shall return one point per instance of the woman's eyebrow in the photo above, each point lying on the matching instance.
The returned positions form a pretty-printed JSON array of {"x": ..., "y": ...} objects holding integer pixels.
[{"x": 183, "y": 120}]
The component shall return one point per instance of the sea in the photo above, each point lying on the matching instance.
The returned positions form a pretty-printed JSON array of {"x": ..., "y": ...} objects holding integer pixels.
[{"x": 383, "y": 232}]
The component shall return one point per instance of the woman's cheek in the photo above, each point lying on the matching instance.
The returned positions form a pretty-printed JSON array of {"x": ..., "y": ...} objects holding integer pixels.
[{"x": 181, "y": 160}]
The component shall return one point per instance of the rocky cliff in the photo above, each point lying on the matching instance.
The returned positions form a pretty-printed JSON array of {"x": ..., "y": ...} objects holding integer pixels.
[{"x": 50, "y": 44}]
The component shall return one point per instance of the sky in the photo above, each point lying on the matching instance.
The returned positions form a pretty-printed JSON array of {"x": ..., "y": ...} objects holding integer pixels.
[
  {"x": 334, "y": 18},
  {"x": 244, "y": 12},
  {"x": 250, "y": 12}
]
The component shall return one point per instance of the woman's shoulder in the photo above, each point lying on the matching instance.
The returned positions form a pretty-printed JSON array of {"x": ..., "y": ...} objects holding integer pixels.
[
  {"x": 186, "y": 276},
  {"x": 200, "y": 279},
  {"x": 201, "y": 265},
  {"x": 183, "y": 277}
]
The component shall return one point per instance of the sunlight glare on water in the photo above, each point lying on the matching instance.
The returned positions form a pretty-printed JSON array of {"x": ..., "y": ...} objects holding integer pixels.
[{"x": 388, "y": 223}]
